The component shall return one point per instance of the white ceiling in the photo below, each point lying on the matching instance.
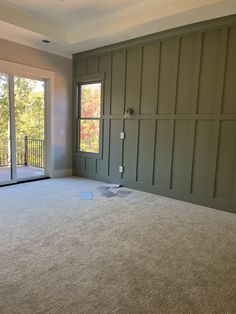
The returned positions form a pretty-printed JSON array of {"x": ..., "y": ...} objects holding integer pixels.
[{"x": 78, "y": 25}]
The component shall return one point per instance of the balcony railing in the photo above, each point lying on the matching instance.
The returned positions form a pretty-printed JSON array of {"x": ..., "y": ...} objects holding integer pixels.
[{"x": 29, "y": 152}]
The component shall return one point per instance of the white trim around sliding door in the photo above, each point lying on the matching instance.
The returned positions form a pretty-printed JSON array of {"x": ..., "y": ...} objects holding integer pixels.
[
  {"x": 48, "y": 77},
  {"x": 12, "y": 129}
]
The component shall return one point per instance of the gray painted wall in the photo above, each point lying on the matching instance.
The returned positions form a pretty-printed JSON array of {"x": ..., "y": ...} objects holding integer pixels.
[
  {"x": 62, "y": 67},
  {"x": 181, "y": 140}
]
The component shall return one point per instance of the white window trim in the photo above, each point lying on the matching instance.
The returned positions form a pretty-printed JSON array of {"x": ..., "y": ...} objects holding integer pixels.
[{"x": 49, "y": 77}]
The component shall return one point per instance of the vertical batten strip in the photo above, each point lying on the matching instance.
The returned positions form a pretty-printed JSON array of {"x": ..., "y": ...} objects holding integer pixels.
[
  {"x": 104, "y": 67},
  {"x": 123, "y": 120},
  {"x": 108, "y": 77},
  {"x": 154, "y": 153},
  {"x": 220, "y": 91},
  {"x": 141, "y": 82},
  {"x": 109, "y": 119},
  {"x": 200, "y": 70},
  {"x": 156, "y": 120},
  {"x": 194, "y": 109},
  {"x": 172, "y": 139},
  {"x": 158, "y": 78},
  {"x": 177, "y": 75},
  {"x": 191, "y": 154},
  {"x": 139, "y": 119},
  {"x": 109, "y": 148},
  {"x": 222, "y": 71},
  {"x": 172, "y": 116},
  {"x": 198, "y": 73},
  {"x": 111, "y": 81},
  {"x": 137, "y": 160},
  {"x": 107, "y": 84}
]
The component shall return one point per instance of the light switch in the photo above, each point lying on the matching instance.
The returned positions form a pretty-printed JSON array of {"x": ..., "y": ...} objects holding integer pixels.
[
  {"x": 122, "y": 135},
  {"x": 121, "y": 169}
]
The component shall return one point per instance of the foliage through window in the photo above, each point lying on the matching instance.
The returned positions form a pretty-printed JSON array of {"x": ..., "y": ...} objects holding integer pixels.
[
  {"x": 90, "y": 113},
  {"x": 29, "y": 119}
]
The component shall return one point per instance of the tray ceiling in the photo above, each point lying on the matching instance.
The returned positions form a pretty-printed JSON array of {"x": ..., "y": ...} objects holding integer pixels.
[{"x": 74, "y": 26}]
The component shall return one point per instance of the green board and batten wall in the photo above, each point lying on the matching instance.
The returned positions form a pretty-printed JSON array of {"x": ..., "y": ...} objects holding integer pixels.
[{"x": 181, "y": 140}]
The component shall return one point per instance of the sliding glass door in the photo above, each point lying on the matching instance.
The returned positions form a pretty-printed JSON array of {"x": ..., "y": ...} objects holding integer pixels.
[
  {"x": 29, "y": 127},
  {"x": 22, "y": 129}
]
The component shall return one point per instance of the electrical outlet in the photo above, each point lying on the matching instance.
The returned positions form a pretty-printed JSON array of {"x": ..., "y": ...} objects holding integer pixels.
[
  {"x": 122, "y": 135},
  {"x": 121, "y": 169}
]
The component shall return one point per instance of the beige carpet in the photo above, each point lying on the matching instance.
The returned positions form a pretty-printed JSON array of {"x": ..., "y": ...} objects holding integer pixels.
[{"x": 140, "y": 254}]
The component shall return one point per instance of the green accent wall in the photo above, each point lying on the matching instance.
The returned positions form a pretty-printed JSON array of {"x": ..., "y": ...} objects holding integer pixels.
[{"x": 181, "y": 140}]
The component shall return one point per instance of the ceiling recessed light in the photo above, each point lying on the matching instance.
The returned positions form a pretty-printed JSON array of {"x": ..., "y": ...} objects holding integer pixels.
[{"x": 46, "y": 41}]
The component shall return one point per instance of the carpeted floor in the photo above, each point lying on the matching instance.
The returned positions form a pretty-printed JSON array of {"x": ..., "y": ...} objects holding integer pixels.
[{"x": 140, "y": 254}]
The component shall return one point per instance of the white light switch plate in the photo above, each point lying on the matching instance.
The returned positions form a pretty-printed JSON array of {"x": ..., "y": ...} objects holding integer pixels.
[
  {"x": 122, "y": 135},
  {"x": 121, "y": 169}
]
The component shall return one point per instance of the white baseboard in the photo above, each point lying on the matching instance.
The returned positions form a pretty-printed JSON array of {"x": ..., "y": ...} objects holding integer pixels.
[{"x": 62, "y": 173}]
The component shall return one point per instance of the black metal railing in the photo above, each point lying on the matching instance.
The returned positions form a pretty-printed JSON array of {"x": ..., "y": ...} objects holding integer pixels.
[{"x": 29, "y": 152}]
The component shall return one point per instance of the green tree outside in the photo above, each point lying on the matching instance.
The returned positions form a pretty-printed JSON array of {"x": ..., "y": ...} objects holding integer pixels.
[
  {"x": 29, "y": 113},
  {"x": 90, "y": 108}
]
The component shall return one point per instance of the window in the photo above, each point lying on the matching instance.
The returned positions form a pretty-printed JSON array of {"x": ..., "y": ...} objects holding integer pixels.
[{"x": 90, "y": 117}]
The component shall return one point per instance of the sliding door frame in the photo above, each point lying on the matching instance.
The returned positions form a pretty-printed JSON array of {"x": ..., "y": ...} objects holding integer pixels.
[
  {"x": 12, "y": 136},
  {"x": 12, "y": 129},
  {"x": 15, "y": 69}
]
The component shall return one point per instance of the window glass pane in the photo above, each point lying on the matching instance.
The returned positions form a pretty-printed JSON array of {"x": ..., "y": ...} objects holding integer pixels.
[
  {"x": 30, "y": 129},
  {"x": 90, "y": 100},
  {"x": 89, "y": 136}
]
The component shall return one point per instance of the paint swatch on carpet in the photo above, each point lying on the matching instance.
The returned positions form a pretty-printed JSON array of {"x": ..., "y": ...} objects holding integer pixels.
[
  {"x": 108, "y": 193},
  {"x": 86, "y": 196},
  {"x": 123, "y": 193},
  {"x": 114, "y": 186},
  {"x": 102, "y": 188},
  {"x": 108, "y": 186}
]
